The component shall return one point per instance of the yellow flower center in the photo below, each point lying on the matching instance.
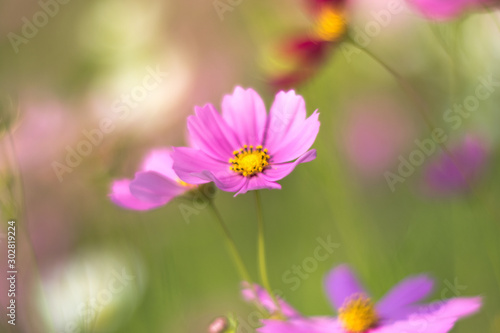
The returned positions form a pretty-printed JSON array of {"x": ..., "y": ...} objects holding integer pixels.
[
  {"x": 330, "y": 25},
  {"x": 248, "y": 161},
  {"x": 358, "y": 314},
  {"x": 183, "y": 183}
]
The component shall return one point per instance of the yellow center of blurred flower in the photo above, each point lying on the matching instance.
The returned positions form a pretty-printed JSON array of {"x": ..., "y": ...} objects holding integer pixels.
[
  {"x": 330, "y": 25},
  {"x": 358, "y": 314},
  {"x": 248, "y": 161},
  {"x": 183, "y": 183}
]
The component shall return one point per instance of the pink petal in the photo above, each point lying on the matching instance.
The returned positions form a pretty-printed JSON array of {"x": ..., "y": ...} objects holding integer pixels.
[
  {"x": 245, "y": 112},
  {"x": 190, "y": 164},
  {"x": 225, "y": 180},
  {"x": 121, "y": 196},
  {"x": 211, "y": 134},
  {"x": 154, "y": 187},
  {"x": 397, "y": 303},
  {"x": 416, "y": 326},
  {"x": 437, "y": 318},
  {"x": 279, "y": 171},
  {"x": 287, "y": 112},
  {"x": 159, "y": 160},
  {"x": 444, "y": 9},
  {"x": 266, "y": 301},
  {"x": 341, "y": 284},
  {"x": 258, "y": 182},
  {"x": 305, "y": 325},
  {"x": 452, "y": 308},
  {"x": 289, "y": 134}
]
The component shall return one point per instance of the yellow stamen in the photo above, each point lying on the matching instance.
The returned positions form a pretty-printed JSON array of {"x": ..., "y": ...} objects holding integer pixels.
[
  {"x": 249, "y": 160},
  {"x": 358, "y": 314},
  {"x": 331, "y": 24}
]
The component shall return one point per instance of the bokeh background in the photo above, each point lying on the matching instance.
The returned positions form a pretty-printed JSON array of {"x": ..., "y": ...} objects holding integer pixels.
[{"x": 171, "y": 273}]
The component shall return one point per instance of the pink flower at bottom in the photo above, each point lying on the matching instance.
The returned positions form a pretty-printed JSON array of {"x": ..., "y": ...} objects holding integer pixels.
[
  {"x": 153, "y": 186},
  {"x": 397, "y": 312},
  {"x": 245, "y": 148}
]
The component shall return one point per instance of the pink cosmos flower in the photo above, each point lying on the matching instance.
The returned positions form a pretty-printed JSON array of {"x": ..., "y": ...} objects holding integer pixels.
[
  {"x": 398, "y": 311},
  {"x": 451, "y": 175},
  {"x": 245, "y": 148},
  {"x": 153, "y": 186},
  {"x": 447, "y": 9}
]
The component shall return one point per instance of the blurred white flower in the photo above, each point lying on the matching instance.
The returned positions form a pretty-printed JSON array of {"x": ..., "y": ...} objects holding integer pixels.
[{"x": 91, "y": 291}]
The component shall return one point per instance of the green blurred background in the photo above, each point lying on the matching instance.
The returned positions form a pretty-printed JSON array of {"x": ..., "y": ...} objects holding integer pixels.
[{"x": 72, "y": 239}]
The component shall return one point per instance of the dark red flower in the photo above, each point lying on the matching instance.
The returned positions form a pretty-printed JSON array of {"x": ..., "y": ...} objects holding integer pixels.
[{"x": 308, "y": 51}]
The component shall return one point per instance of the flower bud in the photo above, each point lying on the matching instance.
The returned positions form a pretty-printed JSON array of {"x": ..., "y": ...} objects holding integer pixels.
[{"x": 218, "y": 325}]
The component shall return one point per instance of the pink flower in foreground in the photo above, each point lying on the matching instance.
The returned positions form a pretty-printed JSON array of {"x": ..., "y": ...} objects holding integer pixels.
[
  {"x": 398, "y": 311},
  {"x": 245, "y": 148},
  {"x": 447, "y": 9},
  {"x": 153, "y": 186}
]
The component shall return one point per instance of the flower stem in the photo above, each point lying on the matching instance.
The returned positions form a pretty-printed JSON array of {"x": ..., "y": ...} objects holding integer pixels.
[
  {"x": 235, "y": 254},
  {"x": 262, "y": 251},
  {"x": 231, "y": 245},
  {"x": 408, "y": 89}
]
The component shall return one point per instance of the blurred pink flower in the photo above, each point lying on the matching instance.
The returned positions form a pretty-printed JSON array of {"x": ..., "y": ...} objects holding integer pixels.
[
  {"x": 41, "y": 135},
  {"x": 398, "y": 311},
  {"x": 374, "y": 134},
  {"x": 448, "y": 175},
  {"x": 153, "y": 186},
  {"x": 245, "y": 148},
  {"x": 447, "y": 9},
  {"x": 261, "y": 296},
  {"x": 218, "y": 325}
]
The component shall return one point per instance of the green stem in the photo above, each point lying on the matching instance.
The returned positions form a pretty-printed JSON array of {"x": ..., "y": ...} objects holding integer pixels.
[
  {"x": 231, "y": 245},
  {"x": 407, "y": 88},
  {"x": 262, "y": 251},
  {"x": 235, "y": 254}
]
